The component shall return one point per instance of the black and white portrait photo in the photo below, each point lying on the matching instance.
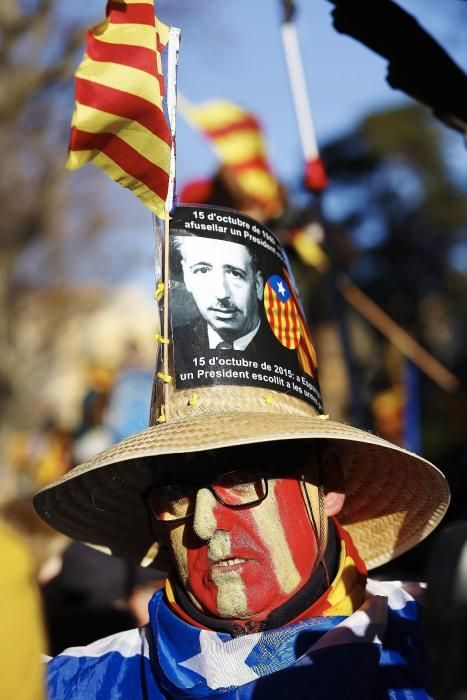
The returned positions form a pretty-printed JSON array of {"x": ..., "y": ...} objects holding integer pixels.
[{"x": 227, "y": 288}]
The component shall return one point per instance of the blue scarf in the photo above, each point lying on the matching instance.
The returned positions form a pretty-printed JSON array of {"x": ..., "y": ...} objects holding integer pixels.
[
  {"x": 354, "y": 642},
  {"x": 376, "y": 652}
]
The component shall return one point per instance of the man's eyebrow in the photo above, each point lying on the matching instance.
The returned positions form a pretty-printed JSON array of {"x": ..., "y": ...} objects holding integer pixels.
[
  {"x": 235, "y": 268},
  {"x": 200, "y": 262}
]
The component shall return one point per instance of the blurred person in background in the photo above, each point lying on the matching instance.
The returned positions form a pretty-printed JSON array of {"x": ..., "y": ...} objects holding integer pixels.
[
  {"x": 45, "y": 545},
  {"x": 85, "y": 594},
  {"x": 22, "y": 638}
]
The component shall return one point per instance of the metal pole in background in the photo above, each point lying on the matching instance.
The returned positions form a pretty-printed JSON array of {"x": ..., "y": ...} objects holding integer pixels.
[{"x": 316, "y": 182}]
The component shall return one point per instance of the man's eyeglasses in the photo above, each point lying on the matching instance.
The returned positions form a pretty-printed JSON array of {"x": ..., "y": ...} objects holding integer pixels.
[{"x": 237, "y": 489}]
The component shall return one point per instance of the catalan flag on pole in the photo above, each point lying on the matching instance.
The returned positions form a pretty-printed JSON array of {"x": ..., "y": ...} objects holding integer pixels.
[
  {"x": 239, "y": 143},
  {"x": 119, "y": 123}
]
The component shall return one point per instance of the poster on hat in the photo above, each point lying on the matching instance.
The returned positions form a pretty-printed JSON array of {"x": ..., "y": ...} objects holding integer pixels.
[{"x": 236, "y": 318}]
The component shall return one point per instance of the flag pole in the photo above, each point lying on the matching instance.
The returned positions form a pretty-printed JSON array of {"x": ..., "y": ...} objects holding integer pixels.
[
  {"x": 316, "y": 181},
  {"x": 315, "y": 175},
  {"x": 172, "y": 62}
]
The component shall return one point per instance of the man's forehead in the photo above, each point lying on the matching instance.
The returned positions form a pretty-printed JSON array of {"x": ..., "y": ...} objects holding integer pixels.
[{"x": 213, "y": 250}]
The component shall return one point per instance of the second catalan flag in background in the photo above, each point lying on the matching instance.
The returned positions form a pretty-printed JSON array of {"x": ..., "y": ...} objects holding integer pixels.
[
  {"x": 239, "y": 143},
  {"x": 119, "y": 123}
]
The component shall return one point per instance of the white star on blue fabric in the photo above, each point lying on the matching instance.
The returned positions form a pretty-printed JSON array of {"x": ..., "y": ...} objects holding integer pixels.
[
  {"x": 222, "y": 664},
  {"x": 281, "y": 289}
]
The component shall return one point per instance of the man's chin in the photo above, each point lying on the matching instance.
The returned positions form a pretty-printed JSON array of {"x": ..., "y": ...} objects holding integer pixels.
[{"x": 226, "y": 326}]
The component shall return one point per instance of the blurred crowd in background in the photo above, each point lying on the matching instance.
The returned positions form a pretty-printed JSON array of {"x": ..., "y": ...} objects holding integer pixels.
[{"x": 85, "y": 594}]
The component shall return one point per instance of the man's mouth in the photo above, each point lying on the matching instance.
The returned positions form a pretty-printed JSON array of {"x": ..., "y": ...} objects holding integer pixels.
[
  {"x": 230, "y": 563},
  {"x": 229, "y": 311}
]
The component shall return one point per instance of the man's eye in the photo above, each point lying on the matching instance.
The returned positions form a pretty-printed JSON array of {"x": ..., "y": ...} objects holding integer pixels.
[
  {"x": 179, "y": 507},
  {"x": 177, "y": 504},
  {"x": 202, "y": 269},
  {"x": 237, "y": 274}
]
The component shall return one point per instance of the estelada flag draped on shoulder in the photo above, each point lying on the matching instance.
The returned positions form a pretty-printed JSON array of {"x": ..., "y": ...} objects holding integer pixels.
[
  {"x": 237, "y": 138},
  {"x": 119, "y": 123}
]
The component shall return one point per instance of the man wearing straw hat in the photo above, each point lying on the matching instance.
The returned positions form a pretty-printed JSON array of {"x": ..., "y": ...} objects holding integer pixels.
[{"x": 267, "y": 515}]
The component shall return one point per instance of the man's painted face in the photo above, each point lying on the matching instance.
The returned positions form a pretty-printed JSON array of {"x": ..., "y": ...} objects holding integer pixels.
[
  {"x": 224, "y": 284},
  {"x": 243, "y": 564}
]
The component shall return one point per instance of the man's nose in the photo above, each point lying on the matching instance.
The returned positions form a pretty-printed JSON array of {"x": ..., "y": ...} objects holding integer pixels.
[
  {"x": 204, "y": 520},
  {"x": 220, "y": 286}
]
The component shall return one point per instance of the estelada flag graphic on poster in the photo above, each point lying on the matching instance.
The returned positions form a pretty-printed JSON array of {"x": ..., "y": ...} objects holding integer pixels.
[
  {"x": 287, "y": 322},
  {"x": 281, "y": 312}
]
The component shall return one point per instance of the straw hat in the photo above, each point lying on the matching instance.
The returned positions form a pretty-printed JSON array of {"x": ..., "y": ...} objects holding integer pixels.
[{"x": 394, "y": 498}]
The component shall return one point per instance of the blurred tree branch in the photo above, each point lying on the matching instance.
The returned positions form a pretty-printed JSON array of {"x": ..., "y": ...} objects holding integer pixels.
[
  {"x": 38, "y": 52},
  {"x": 46, "y": 216}
]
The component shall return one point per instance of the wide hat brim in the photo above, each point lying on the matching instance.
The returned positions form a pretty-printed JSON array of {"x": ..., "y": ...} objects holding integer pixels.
[{"x": 394, "y": 498}]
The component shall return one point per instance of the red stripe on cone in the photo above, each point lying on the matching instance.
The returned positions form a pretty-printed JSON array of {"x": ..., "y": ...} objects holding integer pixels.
[
  {"x": 296, "y": 326},
  {"x": 287, "y": 325},
  {"x": 270, "y": 303},
  {"x": 129, "y": 160},
  {"x": 267, "y": 303},
  {"x": 296, "y": 332},
  {"x": 281, "y": 319},
  {"x": 306, "y": 346},
  {"x": 122, "y": 104}
]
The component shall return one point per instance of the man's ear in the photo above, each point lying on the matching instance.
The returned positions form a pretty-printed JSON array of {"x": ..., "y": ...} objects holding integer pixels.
[
  {"x": 259, "y": 285},
  {"x": 333, "y": 482}
]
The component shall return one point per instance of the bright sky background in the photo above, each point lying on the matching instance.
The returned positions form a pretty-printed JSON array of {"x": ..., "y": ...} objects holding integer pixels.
[
  {"x": 232, "y": 49},
  {"x": 243, "y": 61}
]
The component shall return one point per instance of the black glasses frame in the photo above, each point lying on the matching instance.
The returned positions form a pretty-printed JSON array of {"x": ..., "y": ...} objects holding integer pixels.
[{"x": 211, "y": 488}]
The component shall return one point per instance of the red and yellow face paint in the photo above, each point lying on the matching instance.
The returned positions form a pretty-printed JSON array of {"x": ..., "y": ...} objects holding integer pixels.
[{"x": 243, "y": 564}]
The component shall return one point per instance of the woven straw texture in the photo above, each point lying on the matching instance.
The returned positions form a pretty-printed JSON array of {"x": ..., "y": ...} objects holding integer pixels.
[{"x": 394, "y": 498}]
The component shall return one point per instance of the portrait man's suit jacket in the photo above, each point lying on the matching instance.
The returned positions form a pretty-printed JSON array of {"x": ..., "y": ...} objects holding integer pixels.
[{"x": 191, "y": 341}]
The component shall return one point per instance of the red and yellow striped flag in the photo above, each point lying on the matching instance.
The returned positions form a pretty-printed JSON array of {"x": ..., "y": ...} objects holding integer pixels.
[
  {"x": 238, "y": 141},
  {"x": 118, "y": 123}
]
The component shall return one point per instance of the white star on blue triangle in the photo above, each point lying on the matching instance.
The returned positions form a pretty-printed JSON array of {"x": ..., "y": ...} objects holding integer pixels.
[
  {"x": 215, "y": 656},
  {"x": 280, "y": 287}
]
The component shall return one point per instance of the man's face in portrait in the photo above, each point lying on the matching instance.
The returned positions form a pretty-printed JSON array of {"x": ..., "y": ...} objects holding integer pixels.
[{"x": 224, "y": 283}]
